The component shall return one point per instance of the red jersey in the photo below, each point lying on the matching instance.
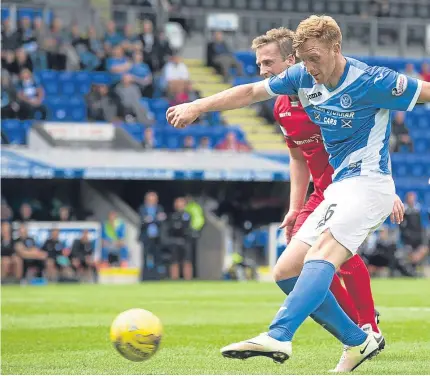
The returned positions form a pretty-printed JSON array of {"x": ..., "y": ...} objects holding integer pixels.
[{"x": 300, "y": 132}]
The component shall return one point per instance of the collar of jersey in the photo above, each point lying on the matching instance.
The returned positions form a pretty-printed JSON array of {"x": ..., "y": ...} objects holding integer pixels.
[{"x": 342, "y": 78}]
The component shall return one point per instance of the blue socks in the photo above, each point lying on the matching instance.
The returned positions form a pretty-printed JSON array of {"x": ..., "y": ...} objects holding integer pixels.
[{"x": 310, "y": 295}]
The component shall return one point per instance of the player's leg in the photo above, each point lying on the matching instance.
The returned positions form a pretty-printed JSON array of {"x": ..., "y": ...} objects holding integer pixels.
[
  {"x": 187, "y": 265},
  {"x": 339, "y": 291},
  {"x": 18, "y": 266},
  {"x": 51, "y": 269},
  {"x": 6, "y": 265},
  {"x": 174, "y": 263},
  {"x": 277, "y": 345},
  {"x": 357, "y": 281}
]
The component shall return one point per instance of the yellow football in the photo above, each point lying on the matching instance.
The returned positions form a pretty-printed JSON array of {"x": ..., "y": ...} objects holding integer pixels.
[{"x": 136, "y": 334}]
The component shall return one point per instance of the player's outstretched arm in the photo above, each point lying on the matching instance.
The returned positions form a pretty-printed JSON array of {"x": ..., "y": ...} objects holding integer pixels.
[
  {"x": 425, "y": 93},
  {"x": 239, "y": 96}
]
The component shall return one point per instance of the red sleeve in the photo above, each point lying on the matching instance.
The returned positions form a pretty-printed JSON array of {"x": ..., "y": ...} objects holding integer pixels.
[
  {"x": 276, "y": 109},
  {"x": 290, "y": 143}
]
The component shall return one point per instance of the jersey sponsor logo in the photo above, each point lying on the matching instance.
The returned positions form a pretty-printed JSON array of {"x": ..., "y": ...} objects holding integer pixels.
[
  {"x": 401, "y": 85},
  {"x": 346, "y": 123},
  {"x": 379, "y": 77},
  {"x": 314, "y": 138},
  {"x": 314, "y": 95},
  {"x": 329, "y": 120},
  {"x": 345, "y": 101},
  {"x": 317, "y": 116},
  {"x": 284, "y": 114},
  {"x": 347, "y": 115}
]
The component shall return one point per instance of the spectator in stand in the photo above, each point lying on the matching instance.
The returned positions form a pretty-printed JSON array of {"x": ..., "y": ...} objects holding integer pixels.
[
  {"x": 114, "y": 249},
  {"x": 11, "y": 39},
  {"x": 95, "y": 45},
  {"x": 58, "y": 262},
  {"x": 131, "y": 40},
  {"x": 83, "y": 257},
  {"x": 118, "y": 63},
  {"x": 33, "y": 258},
  {"x": 186, "y": 93},
  {"x": 11, "y": 264},
  {"x": 149, "y": 142},
  {"x": 152, "y": 216},
  {"x": 189, "y": 143},
  {"x": 231, "y": 143},
  {"x": 25, "y": 213},
  {"x": 112, "y": 38},
  {"x": 163, "y": 51},
  {"x": 400, "y": 134},
  {"x": 221, "y": 58},
  {"x": 30, "y": 96},
  {"x": 149, "y": 41},
  {"x": 103, "y": 105},
  {"x": 9, "y": 105},
  {"x": 63, "y": 53},
  {"x": 410, "y": 71},
  {"x": 425, "y": 71},
  {"x": 130, "y": 96},
  {"x": 175, "y": 75},
  {"x": 27, "y": 35},
  {"x": 88, "y": 60},
  {"x": 22, "y": 61},
  {"x": 64, "y": 214},
  {"x": 40, "y": 31},
  {"x": 142, "y": 75},
  {"x": 412, "y": 230},
  {"x": 40, "y": 56},
  {"x": 6, "y": 211},
  {"x": 204, "y": 144}
]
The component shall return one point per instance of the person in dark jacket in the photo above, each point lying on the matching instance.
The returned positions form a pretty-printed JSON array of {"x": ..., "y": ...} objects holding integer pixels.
[{"x": 152, "y": 216}]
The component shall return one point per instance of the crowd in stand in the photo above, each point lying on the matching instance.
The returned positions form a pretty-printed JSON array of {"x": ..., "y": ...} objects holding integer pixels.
[{"x": 139, "y": 60}]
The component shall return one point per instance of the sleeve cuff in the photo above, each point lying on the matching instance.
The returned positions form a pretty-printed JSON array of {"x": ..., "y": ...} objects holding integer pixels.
[
  {"x": 416, "y": 96},
  {"x": 268, "y": 88}
]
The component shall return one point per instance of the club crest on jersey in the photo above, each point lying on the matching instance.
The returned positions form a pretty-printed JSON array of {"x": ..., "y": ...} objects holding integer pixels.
[
  {"x": 401, "y": 85},
  {"x": 346, "y": 101}
]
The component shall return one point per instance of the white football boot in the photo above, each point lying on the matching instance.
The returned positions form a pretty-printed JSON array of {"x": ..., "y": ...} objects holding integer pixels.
[
  {"x": 367, "y": 328},
  {"x": 262, "y": 345},
  {"x": 353, "y": 356}
]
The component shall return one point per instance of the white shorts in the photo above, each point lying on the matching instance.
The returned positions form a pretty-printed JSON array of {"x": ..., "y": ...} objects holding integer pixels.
[{"x": 352, "y": 209}]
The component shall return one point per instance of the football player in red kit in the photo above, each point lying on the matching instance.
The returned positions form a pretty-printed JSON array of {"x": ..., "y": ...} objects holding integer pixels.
[{"x": 308, "y": 157}]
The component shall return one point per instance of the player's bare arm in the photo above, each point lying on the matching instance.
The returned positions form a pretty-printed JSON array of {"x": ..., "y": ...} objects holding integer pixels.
[
  {"x": 240, "y": 96},
  {"x": 425, "y": 93},
  {"x": 299, "y": 176}
]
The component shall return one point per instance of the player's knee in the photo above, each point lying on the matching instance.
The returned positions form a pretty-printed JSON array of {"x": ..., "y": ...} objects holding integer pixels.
[
  {"x": 327, "y": 248},
  {"x": 281, "y": 272}
]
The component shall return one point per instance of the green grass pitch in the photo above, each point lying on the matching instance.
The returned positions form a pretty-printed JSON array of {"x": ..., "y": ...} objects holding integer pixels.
[{"x": 65, "y": 329}]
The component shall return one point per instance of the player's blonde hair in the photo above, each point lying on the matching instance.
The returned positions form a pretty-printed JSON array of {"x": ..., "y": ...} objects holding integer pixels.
[
  {"x": 282, "y": 36},
  {"x": 323, "y": 28}
]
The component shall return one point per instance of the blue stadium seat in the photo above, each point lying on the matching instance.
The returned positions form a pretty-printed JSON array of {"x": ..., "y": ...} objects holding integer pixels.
[{"x": 5, "y": 13}]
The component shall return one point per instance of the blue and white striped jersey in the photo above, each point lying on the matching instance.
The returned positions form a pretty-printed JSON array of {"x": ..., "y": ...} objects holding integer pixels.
[{"x": 354, "y": 117}]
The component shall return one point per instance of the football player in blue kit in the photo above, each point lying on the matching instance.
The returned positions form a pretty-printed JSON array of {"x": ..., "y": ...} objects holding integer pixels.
[{"x": 351, "y": 102}]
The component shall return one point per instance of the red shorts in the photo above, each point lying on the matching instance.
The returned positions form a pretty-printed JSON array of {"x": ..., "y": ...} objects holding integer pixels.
[{"x": 307, "y": 210}]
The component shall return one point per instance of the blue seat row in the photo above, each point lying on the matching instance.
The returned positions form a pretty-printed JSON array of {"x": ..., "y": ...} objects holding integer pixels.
[{"x": 171, "y": 138}]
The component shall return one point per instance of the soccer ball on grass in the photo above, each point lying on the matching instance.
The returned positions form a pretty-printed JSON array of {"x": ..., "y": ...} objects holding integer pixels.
[{"x": 136, "y": 334}]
